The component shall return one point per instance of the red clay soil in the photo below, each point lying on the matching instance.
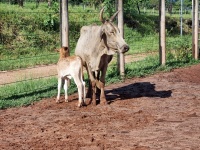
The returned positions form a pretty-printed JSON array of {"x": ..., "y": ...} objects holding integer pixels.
[{"x": 159, "y": 112}]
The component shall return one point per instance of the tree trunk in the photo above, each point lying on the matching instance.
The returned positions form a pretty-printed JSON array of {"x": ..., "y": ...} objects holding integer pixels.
[
  {"x": 21, "y": 3},
  {"x": 138, "y": 7},
  {"x": 49, "y": 3},
  {"x": 37, "y": 3}
]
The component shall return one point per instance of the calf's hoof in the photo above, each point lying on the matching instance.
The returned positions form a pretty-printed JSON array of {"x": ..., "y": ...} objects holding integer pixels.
[
  {"x": 57, "y": 101},
  {"x": 81, "y": 104}
]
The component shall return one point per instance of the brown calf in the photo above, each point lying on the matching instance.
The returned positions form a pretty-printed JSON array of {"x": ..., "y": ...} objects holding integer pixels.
[{"x": 70, "y": 67}]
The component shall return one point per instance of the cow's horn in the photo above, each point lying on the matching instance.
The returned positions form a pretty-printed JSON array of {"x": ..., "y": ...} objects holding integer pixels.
[
  {"x": 113, "y": 17},
  {"x": 101, "y": 15}
]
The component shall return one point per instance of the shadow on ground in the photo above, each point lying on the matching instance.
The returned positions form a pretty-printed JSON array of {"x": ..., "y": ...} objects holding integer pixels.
[{"x": 136, "y": 90}]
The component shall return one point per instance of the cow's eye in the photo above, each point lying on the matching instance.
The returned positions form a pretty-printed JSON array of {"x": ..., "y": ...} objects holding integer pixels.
[{"x": 112, "y": 32}]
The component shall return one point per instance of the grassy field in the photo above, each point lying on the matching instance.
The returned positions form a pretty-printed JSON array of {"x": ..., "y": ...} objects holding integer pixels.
[
  {"x": 27, "y": 92},
  {"x": 30, "y": 35}
]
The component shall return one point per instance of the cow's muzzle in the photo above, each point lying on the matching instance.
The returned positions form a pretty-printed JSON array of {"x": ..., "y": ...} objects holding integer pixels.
[{"x": 124, "y": 48}]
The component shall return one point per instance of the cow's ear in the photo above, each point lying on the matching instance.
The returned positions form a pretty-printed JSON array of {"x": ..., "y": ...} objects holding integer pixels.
[{"x": 102, "y": 33}]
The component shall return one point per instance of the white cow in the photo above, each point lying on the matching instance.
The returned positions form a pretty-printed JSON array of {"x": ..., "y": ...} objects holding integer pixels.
[{"x": 96, "y": 46}]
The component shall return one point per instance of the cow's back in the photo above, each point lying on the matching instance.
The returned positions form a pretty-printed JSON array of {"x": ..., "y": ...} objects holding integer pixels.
[{"x": 88, "y": 42}]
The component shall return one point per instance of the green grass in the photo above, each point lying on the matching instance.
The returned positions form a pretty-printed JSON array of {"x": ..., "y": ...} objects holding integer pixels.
[
  {"x": 41, "y": 29},
  {"x": 31, "y": 32},
  {"x": 176, "y": 13},
  {"x": 26, "y": 92},
  {"x": 151, "y": 66},
  {"x": 30, "y": 61}
]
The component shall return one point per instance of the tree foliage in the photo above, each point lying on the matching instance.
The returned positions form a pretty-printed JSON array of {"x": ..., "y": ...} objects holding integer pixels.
[{"x": 130, "y": 6}]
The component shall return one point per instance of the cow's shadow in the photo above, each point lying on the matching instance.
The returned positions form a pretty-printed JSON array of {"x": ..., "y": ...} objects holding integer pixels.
[{"x": 136, "y": 90}]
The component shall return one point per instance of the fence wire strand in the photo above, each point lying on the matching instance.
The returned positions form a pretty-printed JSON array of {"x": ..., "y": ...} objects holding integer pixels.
[{"x": 11, "y": 25}]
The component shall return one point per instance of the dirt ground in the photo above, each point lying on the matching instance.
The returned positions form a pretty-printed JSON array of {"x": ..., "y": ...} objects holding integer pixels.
[{"x": 159, "y": 112}]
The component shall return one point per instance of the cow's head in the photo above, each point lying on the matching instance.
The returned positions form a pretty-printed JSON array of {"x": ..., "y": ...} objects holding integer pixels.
[{"x": 111, "y": 35}]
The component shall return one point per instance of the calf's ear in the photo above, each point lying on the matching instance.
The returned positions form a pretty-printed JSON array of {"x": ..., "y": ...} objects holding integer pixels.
[
  {"x": 57, "y": 50},
  {"x": 65, "y": 48},
  {"x": 66, "y": 51}
]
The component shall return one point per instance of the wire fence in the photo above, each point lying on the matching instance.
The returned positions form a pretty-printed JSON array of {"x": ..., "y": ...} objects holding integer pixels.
[{"x": 32, "y": 42}]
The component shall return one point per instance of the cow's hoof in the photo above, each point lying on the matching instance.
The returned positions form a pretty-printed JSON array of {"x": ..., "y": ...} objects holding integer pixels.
[
  {"x": 89, "y": 102},
  {"x": 66, "y": 100},
  {"x": 94, "y": 103},
  {"x": 103, "y": 101},
  {"x": 84, "y": 104}
]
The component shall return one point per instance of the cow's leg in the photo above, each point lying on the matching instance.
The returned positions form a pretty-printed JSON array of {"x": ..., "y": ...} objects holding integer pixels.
[
  {"x": 59, "y": 89},
  {"x": 102, "y": 95},
  {"x": 93, "y": 86},
  {"x": 89, "y": 91},
  {"x": 98, "y": 91},
  {"x": 66, "y": 88},
  {"x": 94, "y": 92},
  {"x": 101, "y": 85}
]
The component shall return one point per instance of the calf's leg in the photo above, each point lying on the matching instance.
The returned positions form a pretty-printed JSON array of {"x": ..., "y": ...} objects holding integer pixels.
[
  {"x": 59, "y": 89},
  {"x": 66, "y": 88},
  {"x": 84, "y": 95},
  {"x": 80, "y": 90}
]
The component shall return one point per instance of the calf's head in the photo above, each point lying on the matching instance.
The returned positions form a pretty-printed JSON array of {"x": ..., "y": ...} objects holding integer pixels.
[
  {"x": 64, "y": 52},
  {"x": 111, "y": 35}
]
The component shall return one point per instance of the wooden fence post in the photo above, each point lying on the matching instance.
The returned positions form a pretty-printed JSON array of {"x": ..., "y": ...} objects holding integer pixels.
[
  {"x": 64, "y": 23},
  {"x": 162, "y": 38},
  {"x": 195, "y": 26},
  {"x": 198, "y": 18},
  {"x": 120, "y": 56}
]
